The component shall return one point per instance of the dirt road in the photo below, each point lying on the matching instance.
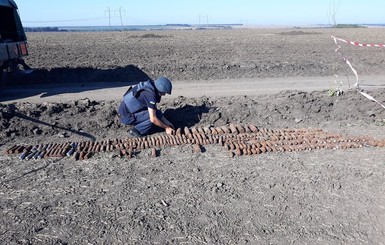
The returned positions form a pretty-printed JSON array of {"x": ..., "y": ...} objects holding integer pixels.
[{"x": 212, "y": 88}]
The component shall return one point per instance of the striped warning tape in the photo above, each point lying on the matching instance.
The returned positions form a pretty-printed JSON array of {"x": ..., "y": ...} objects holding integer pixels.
[
  {"x": 381, "y": 45},
  {"x": 336, "y": 39}
]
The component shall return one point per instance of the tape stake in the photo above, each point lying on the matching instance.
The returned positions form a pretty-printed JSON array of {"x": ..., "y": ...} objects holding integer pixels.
[{"x": 357, "y": 85}]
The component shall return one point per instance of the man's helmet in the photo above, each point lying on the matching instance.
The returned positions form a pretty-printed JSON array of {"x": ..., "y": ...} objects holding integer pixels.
[{"x": 163, "y": 85}]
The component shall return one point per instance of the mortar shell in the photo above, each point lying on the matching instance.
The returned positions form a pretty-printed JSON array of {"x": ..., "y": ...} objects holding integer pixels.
[
  {"x": 225, "y": 129},
  {"x": 30, "y": 155},
  {"x": 23, "y": 155},
  {"x": 42, "y": 154},
  {"x": 36, "y": 155}
]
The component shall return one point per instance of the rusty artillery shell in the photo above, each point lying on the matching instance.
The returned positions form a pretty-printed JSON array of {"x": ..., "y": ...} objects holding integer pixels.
[
  {"x": 206, "y": 130},
  {"x": 240, "y": 129},
  {"x": 128, "y": 154},
  {"x": 161, "y": 140},
  {"x": 233, "y": 129},
  {"x": 230, "y": 129},
  {"x": 200, "y": 130},
  {"x": 231, "y": 154},
  {"x": 153, "y": 152},
  {"x": 245, "y": 152},
  {"x": 178, "y": 132},
  {"x": 246, "y": 128},
  {"x": 194, "y": 131},
  {"x": 88, "y": 155},
  {"x": 186, "y": 131},
  {"x": 213, "y": 131},
  {"x": 152, "y": 142},
  {"x": 12, "y": 149},
  {"x": 253, "y": 128},
  {"x": 20, "y": 149},
  {"x": 76, "y": 156},
  {"x": 219, "y": 130},
  {"x": 371, "y": 143},
  {"x": 197, "y": 148},
  {"x": 82, "y": 154},
  {"x": 238, "y": 152},
  {"x": 263, "y": 149}
]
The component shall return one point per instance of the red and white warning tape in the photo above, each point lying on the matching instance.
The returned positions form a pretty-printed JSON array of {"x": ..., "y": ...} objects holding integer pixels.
[
  {"x": 336, "y": 39},
  {"x": 381, "y": 45},
  {"x": 359, "y": 44}
]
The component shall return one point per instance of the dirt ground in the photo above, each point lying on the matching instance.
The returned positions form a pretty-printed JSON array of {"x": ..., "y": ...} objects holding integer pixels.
[{"x": 180, "y": 197}]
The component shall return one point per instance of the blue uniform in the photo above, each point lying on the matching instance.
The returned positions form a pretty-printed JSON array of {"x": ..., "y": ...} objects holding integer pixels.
[{"x": 134, "y": 108}]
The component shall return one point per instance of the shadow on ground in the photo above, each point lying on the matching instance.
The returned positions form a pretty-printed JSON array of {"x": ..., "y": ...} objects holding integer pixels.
[
  {"x": 186, "y": 116},
  {"x": 55, "y": 81}
]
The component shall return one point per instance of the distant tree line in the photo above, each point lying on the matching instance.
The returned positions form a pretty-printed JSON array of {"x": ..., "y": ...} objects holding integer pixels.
[
  {"x": 348, "y": 26},
  {"x": 43, "y": 29}
]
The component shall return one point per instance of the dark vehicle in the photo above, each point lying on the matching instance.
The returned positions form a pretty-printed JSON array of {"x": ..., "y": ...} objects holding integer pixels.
[{"x": 13, "y": 41}]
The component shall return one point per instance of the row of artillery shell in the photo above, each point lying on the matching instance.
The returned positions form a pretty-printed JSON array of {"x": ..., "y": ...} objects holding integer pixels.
[
  {"x": 254, "y": 149},
  {"x": 234, "y": 136},
  {"x": 191, "y": 136}
]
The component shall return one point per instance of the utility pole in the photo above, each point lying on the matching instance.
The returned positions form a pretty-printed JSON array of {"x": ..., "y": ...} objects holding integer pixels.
[
  {"x": 120, "y": 14},
  {"x": 202, "y": 17},
  {"x": 109, "y": 15}
]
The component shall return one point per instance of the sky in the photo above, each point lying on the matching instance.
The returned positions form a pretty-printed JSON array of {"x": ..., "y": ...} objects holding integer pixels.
[{"x": 156, "y": 12}]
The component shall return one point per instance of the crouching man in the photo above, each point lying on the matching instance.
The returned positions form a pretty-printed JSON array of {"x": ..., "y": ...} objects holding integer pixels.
[{"x": 138, "y": 107}]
